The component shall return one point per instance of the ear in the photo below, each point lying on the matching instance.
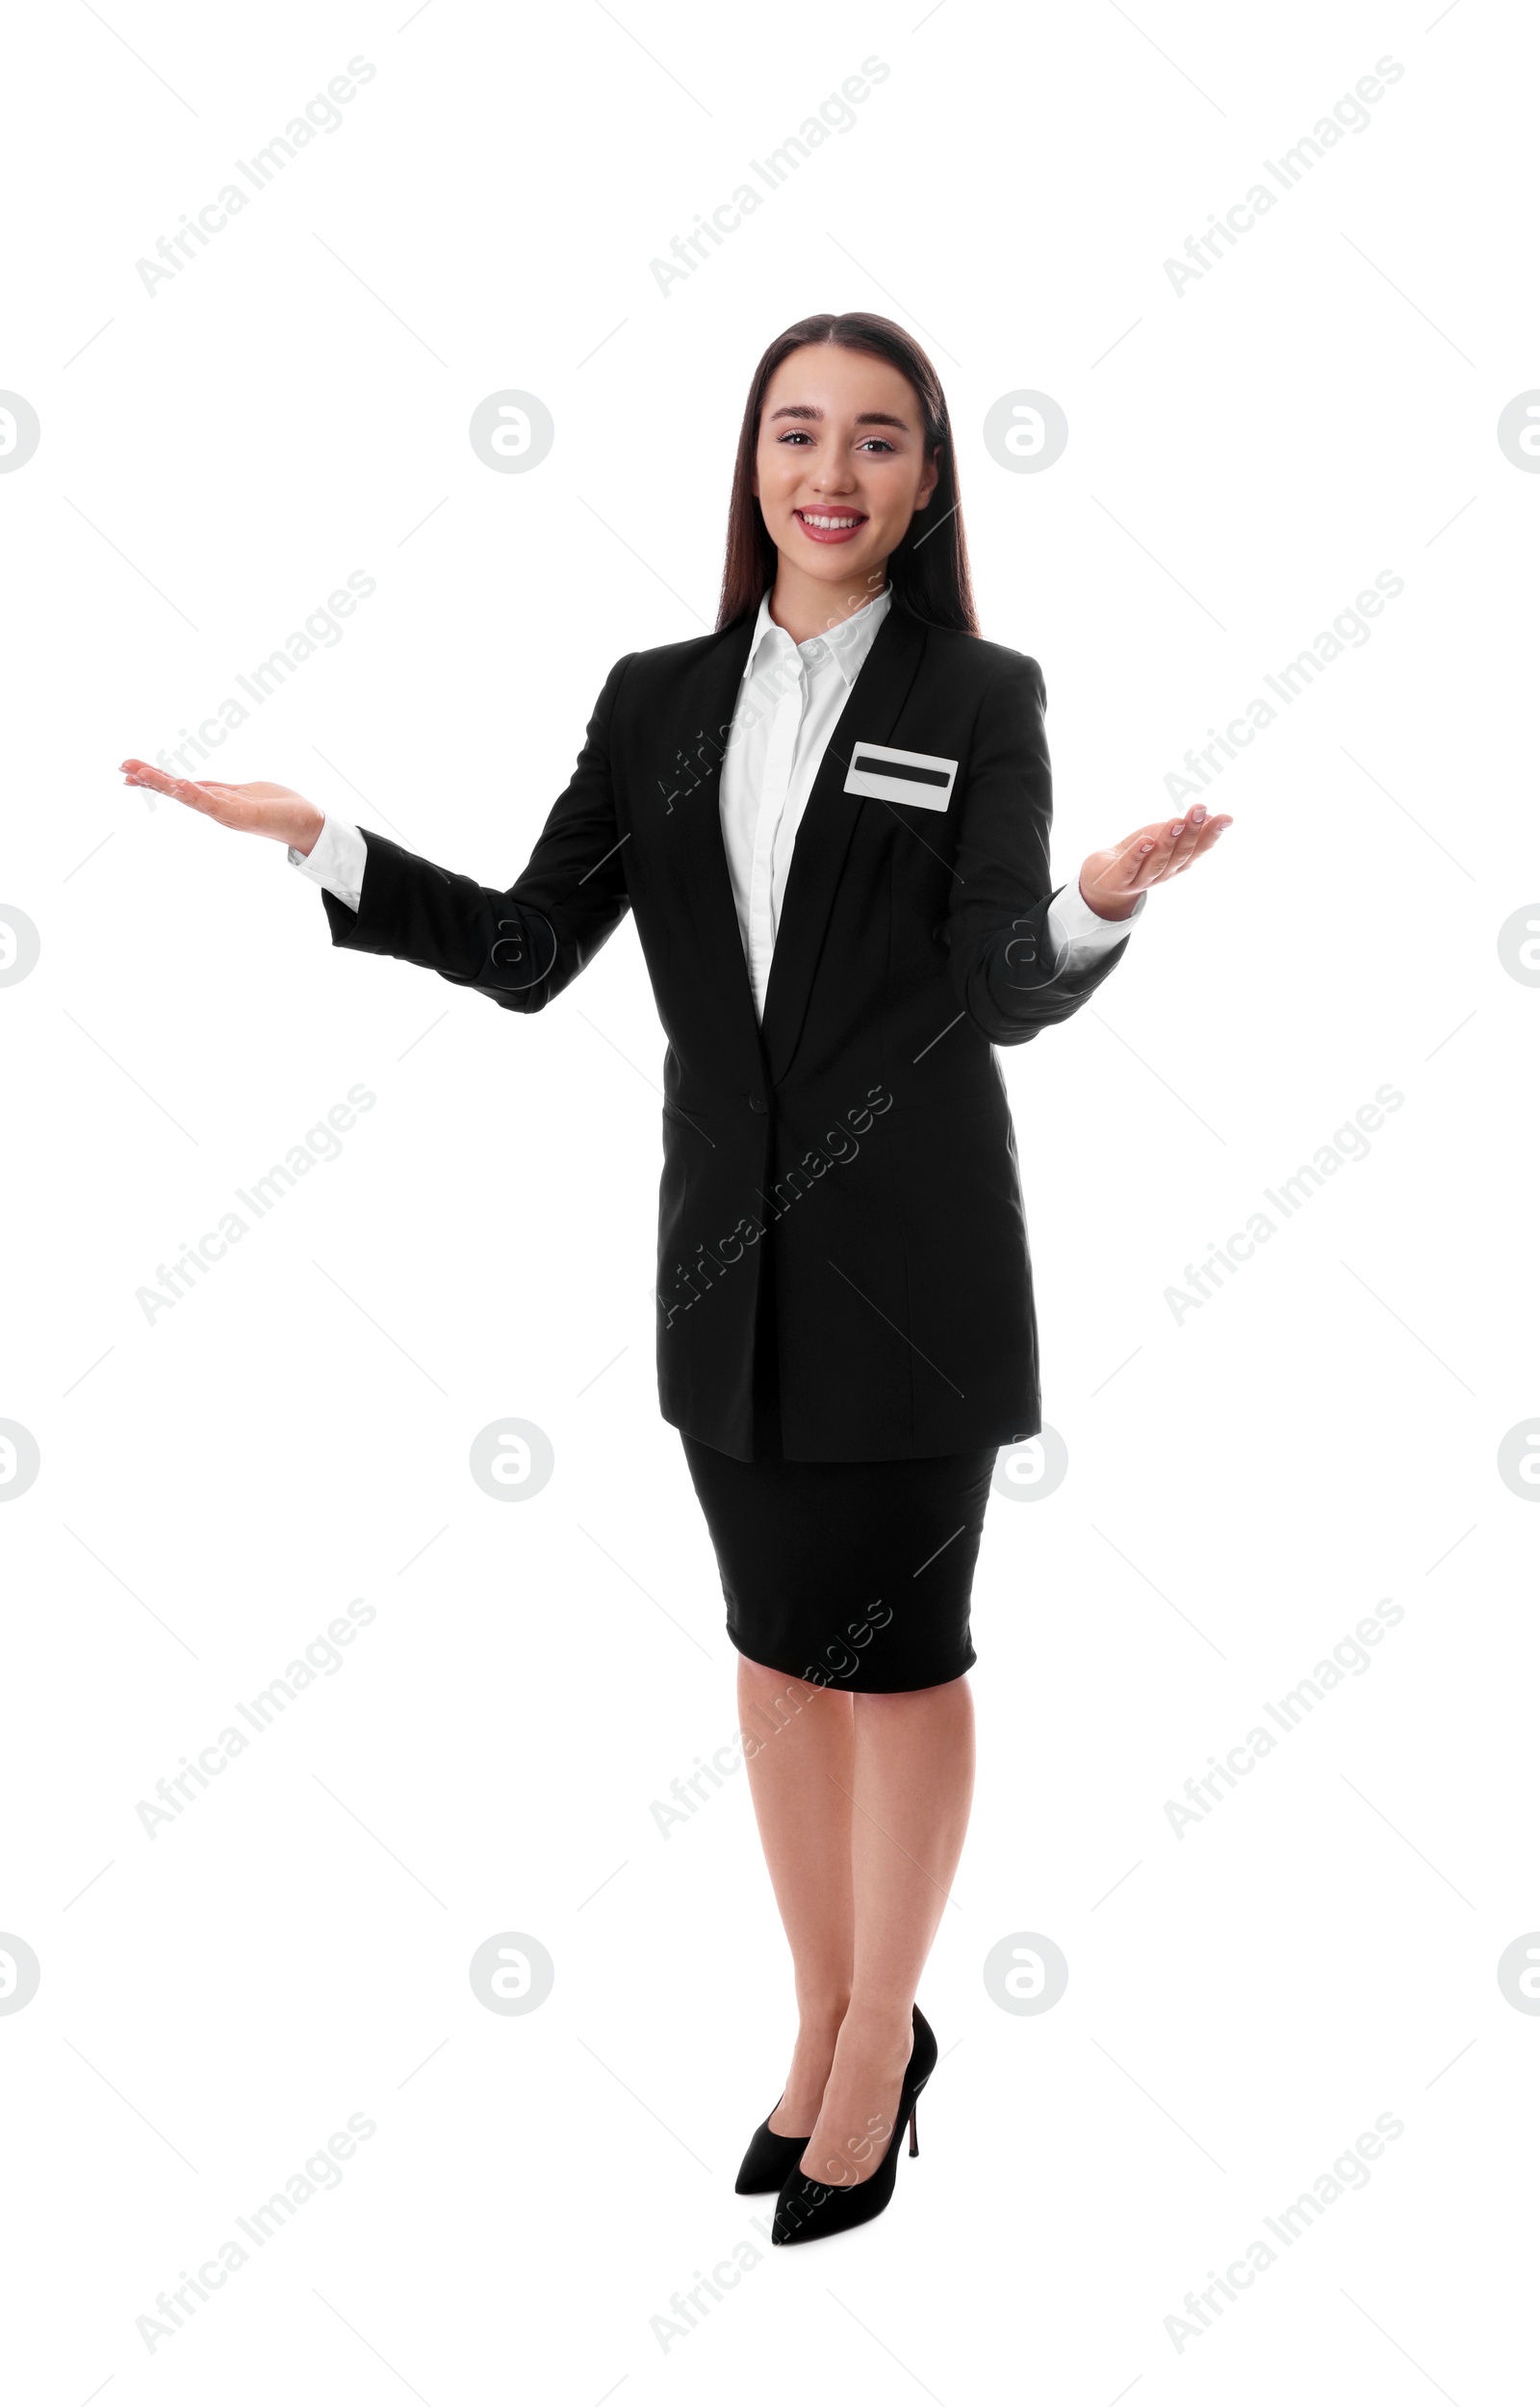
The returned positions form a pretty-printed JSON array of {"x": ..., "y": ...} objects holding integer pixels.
[{"x": 929, "y": 481}]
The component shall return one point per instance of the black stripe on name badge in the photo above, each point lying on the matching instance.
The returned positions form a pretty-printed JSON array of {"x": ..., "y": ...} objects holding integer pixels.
[{"x": 870, "y": 768}]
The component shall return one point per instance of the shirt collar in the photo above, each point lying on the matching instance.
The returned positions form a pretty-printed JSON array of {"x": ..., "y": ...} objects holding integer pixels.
[{"x": 848, "y": 644}]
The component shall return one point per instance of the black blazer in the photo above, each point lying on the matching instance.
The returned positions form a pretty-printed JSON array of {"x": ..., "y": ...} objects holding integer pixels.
[{"x": 863, "y": 1128}]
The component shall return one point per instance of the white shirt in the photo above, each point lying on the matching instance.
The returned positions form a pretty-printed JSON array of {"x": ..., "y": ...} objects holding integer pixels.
[{"x": 789, "y": 702}]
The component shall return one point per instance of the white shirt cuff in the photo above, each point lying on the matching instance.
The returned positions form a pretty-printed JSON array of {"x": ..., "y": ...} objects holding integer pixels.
[
  {"x": 336, "y": 860},
  {"x": 1077, "y": 931}
]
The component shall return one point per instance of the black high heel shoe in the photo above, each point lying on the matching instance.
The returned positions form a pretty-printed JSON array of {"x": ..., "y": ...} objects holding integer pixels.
[
  {"x": 768, "y": 2159},
  {"x": 811, "y": 2209}
]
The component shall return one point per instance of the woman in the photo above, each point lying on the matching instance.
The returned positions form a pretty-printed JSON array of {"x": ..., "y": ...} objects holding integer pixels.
[{"x": 831, "y": 819}]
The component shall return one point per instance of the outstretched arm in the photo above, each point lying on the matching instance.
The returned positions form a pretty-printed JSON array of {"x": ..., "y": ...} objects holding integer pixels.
[
  {"x": 519, "y": 945},
  {"x": 1025, "y": 954}
]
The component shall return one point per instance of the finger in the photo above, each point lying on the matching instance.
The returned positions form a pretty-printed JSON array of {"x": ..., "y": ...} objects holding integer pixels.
[
  {"x": 1142, "y": 841},
  {"x": 144, "y": 773},
  {"x": 1128, "y": 863},
  {"x": 1144, "y": 863},
  {"x": 179, "y": 790},
  {"x": 1187, "y": 837},
  {"x": 1208, "y": 835},
  {"x": 1161, "y": 842},
  {"x": 1186, "y": 843},
  {"x": 1125, "y": 863}
]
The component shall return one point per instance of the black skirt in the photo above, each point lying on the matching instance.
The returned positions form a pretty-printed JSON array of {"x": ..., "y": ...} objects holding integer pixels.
[{"x": 850, "y": 1576}]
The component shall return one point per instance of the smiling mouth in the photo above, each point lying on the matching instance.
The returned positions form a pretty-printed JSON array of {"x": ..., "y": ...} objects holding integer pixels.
[{"x": 830, "y": 526}]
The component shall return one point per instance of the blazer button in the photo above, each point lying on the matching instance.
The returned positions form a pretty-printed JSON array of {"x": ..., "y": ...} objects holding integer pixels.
[{"x": 757, "y": 1103}]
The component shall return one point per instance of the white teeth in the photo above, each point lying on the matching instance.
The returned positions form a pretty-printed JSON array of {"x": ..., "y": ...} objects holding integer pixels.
[{"x": 814, "y": 520}]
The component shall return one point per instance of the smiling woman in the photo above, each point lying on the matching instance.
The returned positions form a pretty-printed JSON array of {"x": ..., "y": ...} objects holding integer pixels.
[
  {"x": 852, "y": 897},
  {"x": 845, "y": 471}
]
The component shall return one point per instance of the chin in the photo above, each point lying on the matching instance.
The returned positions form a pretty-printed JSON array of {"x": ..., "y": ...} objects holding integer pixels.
[{"x": 832, "y": 563}]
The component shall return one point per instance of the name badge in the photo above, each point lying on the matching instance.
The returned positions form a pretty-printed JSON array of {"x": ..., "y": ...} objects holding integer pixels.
[{"x": 921, "y": 779}]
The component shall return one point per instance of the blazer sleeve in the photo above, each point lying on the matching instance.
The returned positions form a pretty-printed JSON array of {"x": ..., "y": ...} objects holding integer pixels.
[
  {"x": 1004, "y": 959},
  {"x": 522, "y": 944}
]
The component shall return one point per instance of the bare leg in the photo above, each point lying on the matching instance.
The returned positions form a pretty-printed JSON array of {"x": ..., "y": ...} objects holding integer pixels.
[
  {"x": 913, "y": 1789},
  {"x": 800, "y": 1749}
]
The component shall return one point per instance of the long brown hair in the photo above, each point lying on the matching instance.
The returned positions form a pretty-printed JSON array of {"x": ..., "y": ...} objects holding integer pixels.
[{"x": 928, "y": 570}]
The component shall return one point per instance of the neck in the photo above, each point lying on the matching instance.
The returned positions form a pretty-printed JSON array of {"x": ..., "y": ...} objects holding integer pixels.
[{"x": 806, "y": 606}]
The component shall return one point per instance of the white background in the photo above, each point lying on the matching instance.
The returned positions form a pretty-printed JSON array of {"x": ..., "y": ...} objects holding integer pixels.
[{"x": 1244, "y": 1484}]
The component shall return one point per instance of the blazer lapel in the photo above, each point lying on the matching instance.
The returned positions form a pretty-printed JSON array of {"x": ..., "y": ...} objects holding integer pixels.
[
  {"x": 870, "y": 714},
  {"x": 691, "y": 796}
]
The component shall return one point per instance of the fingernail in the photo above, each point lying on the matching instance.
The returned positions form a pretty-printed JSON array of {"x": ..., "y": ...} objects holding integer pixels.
[
  {"x": 1146, "y": 848},
  {"x": 1199, "y": 814}
]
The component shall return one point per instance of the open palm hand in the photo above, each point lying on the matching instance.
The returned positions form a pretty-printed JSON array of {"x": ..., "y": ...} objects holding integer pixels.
[
  {"x": 255, "y": 809},
  {"x": 1112, "y": 881}
]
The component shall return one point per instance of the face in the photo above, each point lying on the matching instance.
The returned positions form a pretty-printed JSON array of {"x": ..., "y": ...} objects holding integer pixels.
[{"x": 840, "y": 466}]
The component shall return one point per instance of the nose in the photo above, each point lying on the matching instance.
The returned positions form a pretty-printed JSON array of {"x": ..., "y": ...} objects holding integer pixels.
[{"x": 834, "y": 479}]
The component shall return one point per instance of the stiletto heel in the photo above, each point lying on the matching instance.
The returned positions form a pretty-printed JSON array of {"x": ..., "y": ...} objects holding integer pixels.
[{"x": 810, "y": 2209}]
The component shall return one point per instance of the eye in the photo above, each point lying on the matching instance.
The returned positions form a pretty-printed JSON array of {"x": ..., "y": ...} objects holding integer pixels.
[
  {"x": 880, "y": 440},
  {"x": 795, "y": 434}
]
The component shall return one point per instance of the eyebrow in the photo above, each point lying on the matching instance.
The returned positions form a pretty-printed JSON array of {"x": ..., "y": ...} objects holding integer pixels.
[{"x": 867, "y": 416}]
